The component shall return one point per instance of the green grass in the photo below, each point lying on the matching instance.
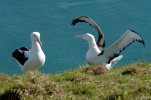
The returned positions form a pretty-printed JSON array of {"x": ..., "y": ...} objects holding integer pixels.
[{"x": 93, "y": 83}]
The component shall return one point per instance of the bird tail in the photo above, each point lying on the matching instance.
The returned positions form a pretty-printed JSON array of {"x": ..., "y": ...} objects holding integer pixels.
[{"x": 114, "y": 61}]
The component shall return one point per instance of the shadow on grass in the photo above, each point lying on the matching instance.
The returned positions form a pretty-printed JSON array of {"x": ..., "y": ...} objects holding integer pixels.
[
  {"x": 10, "y": 95},
  {"x": 130, "y": 71}
]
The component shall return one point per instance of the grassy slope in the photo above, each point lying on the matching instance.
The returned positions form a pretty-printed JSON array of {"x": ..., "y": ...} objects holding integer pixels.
[{"x": 129, "y": 82}]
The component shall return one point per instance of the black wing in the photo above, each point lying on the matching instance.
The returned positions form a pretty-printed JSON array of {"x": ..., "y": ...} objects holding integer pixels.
[
  {"x": 19, "y": 55},
  {"x": 115, "y": 49},
  {"x": 101, "y": 38}
]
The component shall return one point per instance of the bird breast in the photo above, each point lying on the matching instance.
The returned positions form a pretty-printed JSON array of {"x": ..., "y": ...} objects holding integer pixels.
[
  {"x": 92, "y": 58},
  {"x": 41, "y": 58},
  {"x": 36, "y": 60}
]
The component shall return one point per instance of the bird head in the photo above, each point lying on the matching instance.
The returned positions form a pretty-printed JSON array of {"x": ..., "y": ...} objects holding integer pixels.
[
  {"x": 35, "y": 36},
  {"x": 88, "y": 37}
]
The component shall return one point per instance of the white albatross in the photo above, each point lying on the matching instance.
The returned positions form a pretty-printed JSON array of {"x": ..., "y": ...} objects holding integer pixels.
[
  {"x": 33, "y": 59},
  {"x": 110, "y": 56}
]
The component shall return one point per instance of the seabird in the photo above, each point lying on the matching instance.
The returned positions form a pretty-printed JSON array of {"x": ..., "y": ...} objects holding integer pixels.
[
  {"x": 33, "y": 59},
  {"x": 101, "y": 39},
  {"x": 110, "y": 56}
]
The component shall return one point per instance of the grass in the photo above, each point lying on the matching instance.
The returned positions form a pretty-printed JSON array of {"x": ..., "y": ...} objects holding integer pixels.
[{"x": 93, "y": 83}]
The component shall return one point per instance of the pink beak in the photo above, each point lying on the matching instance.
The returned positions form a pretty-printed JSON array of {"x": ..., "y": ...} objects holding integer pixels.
[
  {"x": 78, "y": 37},
  {"x": 38, "y": 40}
]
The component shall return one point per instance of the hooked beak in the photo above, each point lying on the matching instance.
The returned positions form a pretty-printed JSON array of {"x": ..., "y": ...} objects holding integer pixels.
[
  {"x": 79, "y": 36},
  {"x": 38, "y": 40}
]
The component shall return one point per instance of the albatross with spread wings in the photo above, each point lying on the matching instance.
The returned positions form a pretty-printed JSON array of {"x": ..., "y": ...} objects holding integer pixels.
[{"x": 110, "y": 56}]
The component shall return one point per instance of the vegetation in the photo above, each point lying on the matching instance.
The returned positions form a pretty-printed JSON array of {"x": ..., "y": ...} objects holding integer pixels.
[{"x": 93, "y": 83}]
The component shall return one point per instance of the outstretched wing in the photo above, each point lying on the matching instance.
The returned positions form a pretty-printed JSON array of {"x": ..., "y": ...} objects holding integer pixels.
[
  {"x": 101, "y": 38},
  {"x": 114, "y": 50}
]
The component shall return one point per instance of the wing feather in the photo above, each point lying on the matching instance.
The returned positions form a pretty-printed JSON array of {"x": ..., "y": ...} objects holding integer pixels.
[
  {"x": 101, "y": 38},
  {"x": 128, "y": 38},
  {"x": 21, "y": 55}
]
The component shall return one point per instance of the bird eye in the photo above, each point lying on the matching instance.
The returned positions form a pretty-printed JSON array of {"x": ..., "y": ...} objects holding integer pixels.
[
  {"x": 34, "y": 35},
  {"x": 85, "y": 35}
]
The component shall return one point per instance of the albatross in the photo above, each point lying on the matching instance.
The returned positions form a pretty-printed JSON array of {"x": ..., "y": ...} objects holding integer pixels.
[
  {"x": 110, "y": 56},
  {"x": 30, "y": 60}
]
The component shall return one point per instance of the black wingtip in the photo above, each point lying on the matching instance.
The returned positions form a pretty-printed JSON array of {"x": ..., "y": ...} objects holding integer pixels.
[
  {"x": 74, "y": 22},
  {"x": 142, "y": 41},
  {"x": 78, "y": 20},
  {"x": 17, "y": 51},
  {"x": 18, "y": 54},
  {"x": 14, "y": 53},
  {"x": 133, "y": 31}
]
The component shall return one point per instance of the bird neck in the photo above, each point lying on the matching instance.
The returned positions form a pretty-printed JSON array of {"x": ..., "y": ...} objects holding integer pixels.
[
  {"x": 93, "y": 46},
  {"x": 36, "y": 46}
]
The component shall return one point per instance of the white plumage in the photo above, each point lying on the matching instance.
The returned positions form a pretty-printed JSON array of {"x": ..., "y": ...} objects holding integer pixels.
[
  {"x": 33, "y": 59},
  {"x": 111, "y": 55}
]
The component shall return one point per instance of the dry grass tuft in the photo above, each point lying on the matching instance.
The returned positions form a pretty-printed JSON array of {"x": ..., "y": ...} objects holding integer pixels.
[
  {"x": 32, "y": 86},
  {"x": 5, "y": 78},
  {"x": 96, "y": 70},
  {"x": 85, "y": 83}
]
